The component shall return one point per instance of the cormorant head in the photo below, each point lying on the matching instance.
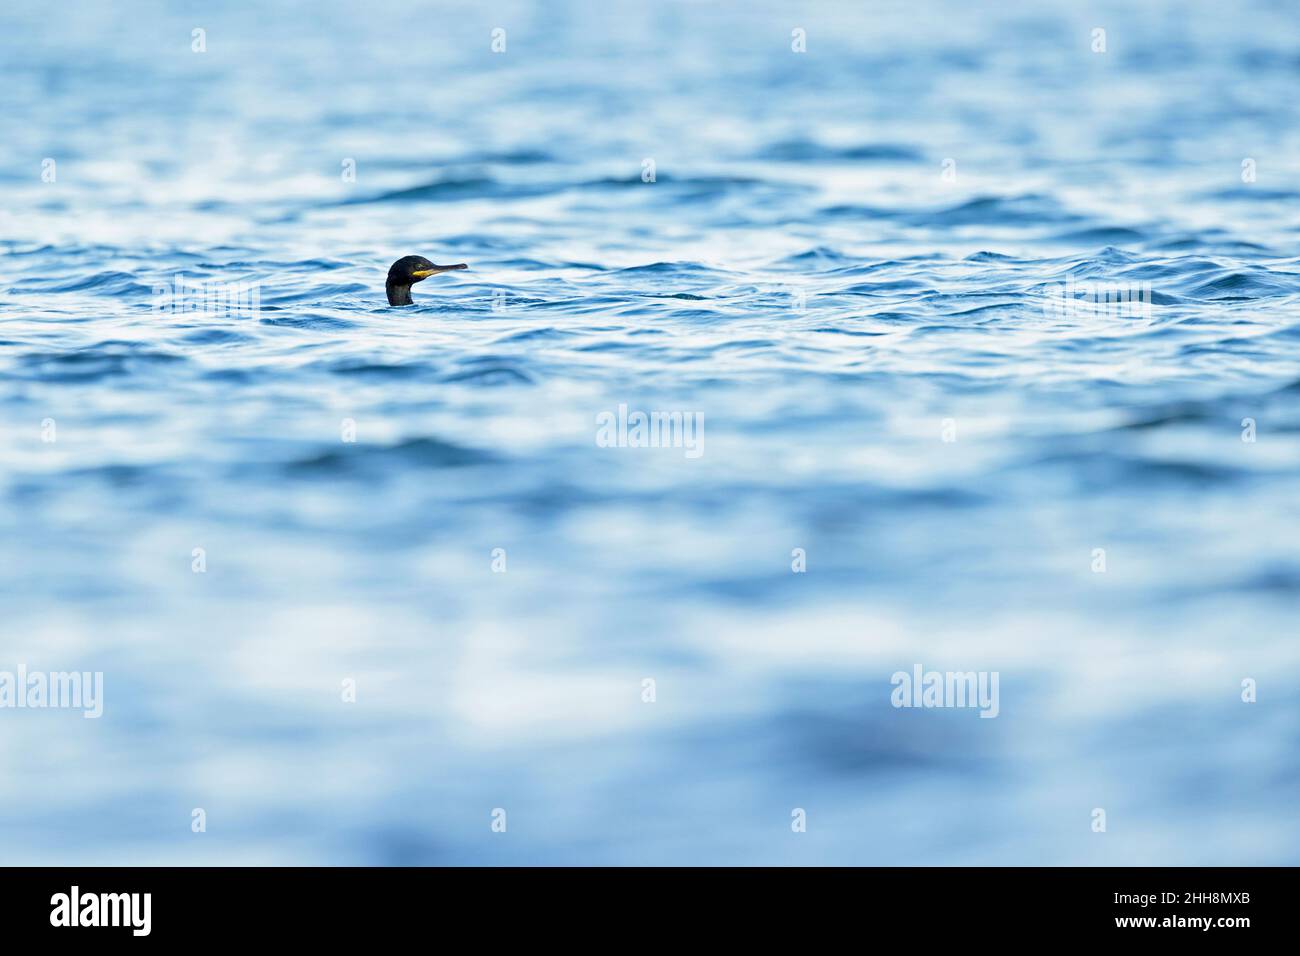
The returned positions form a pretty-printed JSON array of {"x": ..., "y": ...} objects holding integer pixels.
[{"x": 409, "y": 270}]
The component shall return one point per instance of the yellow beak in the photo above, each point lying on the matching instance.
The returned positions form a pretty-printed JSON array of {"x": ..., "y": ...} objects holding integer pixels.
[{"x": 425, "y": 273}]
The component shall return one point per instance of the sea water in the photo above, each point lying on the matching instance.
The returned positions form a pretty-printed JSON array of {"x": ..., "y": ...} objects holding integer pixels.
[{"x": 365, "y": 586}]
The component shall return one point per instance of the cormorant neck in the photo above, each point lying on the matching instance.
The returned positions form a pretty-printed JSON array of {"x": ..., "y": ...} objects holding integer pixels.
[{"x": 398, "y": 294}]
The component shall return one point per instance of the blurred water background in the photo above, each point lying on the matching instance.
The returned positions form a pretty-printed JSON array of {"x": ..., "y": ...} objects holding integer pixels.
[{"x": 809, "y": 273}]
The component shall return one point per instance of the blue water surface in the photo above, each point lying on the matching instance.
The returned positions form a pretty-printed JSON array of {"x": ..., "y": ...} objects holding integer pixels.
[{"x": 847, "y": 262}]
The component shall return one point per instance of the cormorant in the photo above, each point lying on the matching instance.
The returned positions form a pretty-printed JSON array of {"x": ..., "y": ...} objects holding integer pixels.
[{"x": 408, "y": 270}]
